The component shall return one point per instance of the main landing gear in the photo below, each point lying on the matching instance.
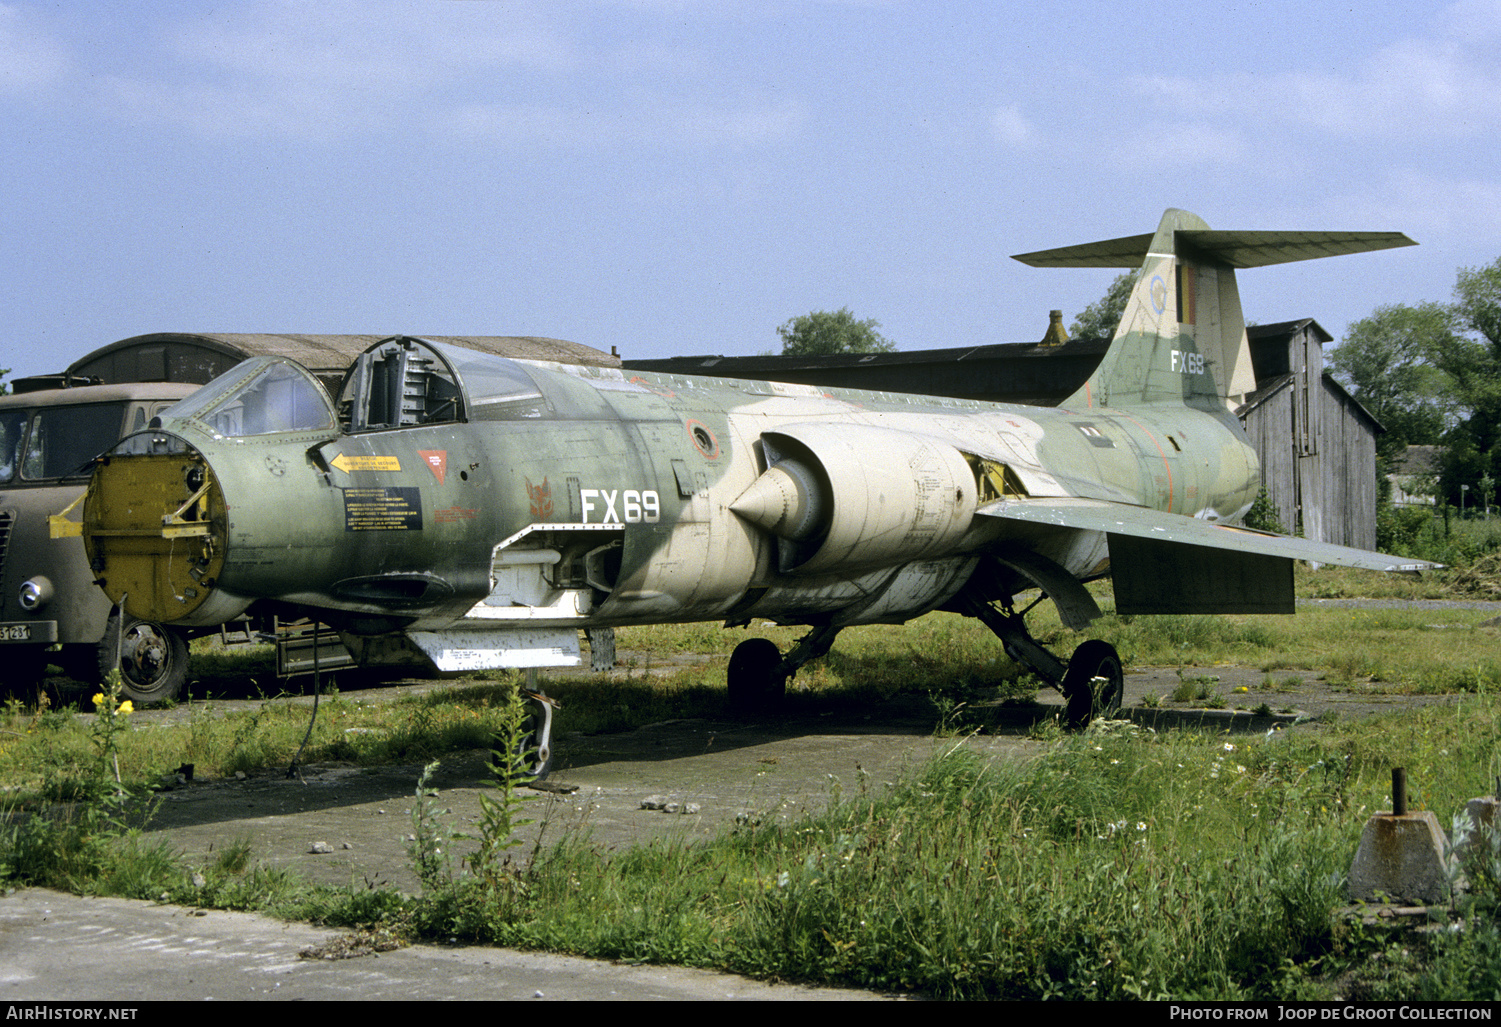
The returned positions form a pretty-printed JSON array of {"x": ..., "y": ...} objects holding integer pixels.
[
  {"x": 758, "y": 671},
  {"x": 1092, "y": 681}
]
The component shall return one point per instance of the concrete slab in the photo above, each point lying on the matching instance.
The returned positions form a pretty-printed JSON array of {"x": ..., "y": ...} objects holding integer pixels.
[{"x": 62, "y": 947}]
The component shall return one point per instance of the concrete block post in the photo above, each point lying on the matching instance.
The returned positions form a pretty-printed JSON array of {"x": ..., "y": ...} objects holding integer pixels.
[
  {"x": 1485, "y": 816},
  {"x": 1401, "y": 855}
]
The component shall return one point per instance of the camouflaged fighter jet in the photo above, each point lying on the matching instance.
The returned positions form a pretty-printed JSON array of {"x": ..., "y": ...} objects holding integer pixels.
[{"x": 483, "y": 510}]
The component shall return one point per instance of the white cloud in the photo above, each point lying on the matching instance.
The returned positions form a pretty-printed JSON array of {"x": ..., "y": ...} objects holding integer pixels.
[
  {"x": 331, "y": 68},
  {"x": 498, "y": 72},
  {"x": 1440, "y": 85},
  {"x": 30, "y": 59},
  {"x": 1185, "y": 144},
  {"x": 1426, "y": 206},
  {"x": 655, "y": 121},
  {"x": 1011, "y": 128}
]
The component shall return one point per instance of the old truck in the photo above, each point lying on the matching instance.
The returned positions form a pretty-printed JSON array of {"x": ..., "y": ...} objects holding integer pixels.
[{"x": 51, "y": 612}]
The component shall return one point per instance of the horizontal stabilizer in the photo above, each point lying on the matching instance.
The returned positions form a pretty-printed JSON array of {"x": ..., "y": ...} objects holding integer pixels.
[
  {"x": 1233, "y": 249},
  {"x": 1140, "y": 522},
  {"x": 1127, "y": 252}
]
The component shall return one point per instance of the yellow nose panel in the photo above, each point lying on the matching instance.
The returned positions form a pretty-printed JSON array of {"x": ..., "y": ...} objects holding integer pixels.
[{"x": 155, "y": 529}]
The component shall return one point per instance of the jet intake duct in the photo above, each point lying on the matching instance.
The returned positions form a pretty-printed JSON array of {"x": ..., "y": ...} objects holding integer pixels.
[{"x": 855, "y": 495}]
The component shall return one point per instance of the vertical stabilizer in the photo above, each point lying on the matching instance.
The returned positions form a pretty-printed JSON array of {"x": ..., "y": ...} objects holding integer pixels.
[{"x": 1182, "y": 338}]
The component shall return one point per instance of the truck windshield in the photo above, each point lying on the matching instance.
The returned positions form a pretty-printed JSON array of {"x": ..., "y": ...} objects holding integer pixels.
[
  {"x": 56, "y": 442},
  {"x": 12, "y": 428}
]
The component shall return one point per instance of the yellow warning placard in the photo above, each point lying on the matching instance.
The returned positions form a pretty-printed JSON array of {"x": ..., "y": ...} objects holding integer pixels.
[{"x": 347, "y": 463}]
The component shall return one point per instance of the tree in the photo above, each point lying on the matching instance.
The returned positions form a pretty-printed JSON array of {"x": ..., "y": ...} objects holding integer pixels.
[
  {"x": 1387, "y": 362},
  {"x": 1435, "y": 368},
  {"x": 822, "y": 333},
  {"x": 1100, "y": 319},
  {"x": 1472, "y": 360},
  {"x": 1474, "y": 364}
]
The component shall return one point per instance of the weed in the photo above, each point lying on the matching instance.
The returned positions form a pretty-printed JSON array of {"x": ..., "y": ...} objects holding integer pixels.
[
  {"x": 431, "y": 843},
  {"x": 80, "y": 847},
  {"x": 1114, "y": 864},
  {"x": 1191, "y": 688},
  {"x": 500, "y": 807},
  {"x": 234, "y": 858}
]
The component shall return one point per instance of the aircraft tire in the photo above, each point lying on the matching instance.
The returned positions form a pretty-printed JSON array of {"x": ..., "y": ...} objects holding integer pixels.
[
  {"x": 755, "y": 681},
  {"x": 1093, "y": 658},
  {"x": 153, "y": 660}
]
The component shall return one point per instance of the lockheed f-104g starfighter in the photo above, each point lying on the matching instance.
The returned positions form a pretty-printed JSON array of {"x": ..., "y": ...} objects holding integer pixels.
[{"x": 483, "y": 510}]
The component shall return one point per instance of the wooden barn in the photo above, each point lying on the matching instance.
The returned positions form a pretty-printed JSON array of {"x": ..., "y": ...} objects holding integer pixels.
[{"x": 1317, "y": 444}]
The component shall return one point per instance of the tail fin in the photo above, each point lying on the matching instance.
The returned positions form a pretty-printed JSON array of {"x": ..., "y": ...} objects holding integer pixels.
[{"x": 1182, "y": 338}]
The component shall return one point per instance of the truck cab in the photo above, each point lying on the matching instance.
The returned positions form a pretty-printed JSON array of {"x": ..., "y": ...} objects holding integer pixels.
[{"x": 51, "y": 612}]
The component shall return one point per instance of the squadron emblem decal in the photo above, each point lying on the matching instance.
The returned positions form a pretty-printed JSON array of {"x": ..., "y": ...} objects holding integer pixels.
[{"x": 540, "y": 497}]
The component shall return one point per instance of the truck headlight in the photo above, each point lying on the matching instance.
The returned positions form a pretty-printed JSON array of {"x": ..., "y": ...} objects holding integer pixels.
[{"x": 35, "y": 592}]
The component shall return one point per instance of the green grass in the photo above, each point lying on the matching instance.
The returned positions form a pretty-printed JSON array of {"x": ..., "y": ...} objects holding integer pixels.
[
  {"x": 48, "y": 754},
  {"x": 1118, "y": 864}
]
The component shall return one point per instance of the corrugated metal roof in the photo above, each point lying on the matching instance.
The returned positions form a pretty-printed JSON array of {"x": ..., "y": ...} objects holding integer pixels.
[
  {"x": 331, "y": 353},
  {"x": 119, "y": 393}
]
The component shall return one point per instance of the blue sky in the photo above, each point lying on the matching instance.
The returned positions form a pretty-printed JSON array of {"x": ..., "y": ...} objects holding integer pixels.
[{"x": 681, "y": 176}]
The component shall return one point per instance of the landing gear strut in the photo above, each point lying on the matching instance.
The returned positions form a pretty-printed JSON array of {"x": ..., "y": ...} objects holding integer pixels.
[
  {"x": 758, "y": 671},
  {"x": 534, "y": 740},
  {"x": 530, "y": 748},
  {"x": 1091, "y": 682}
]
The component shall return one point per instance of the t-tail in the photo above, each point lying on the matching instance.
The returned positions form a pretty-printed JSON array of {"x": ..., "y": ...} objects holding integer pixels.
[{"x": 1182, "y": 338}]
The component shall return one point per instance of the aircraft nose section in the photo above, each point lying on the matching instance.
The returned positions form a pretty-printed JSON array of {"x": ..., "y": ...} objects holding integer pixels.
[{"x": 156, "y": 527}]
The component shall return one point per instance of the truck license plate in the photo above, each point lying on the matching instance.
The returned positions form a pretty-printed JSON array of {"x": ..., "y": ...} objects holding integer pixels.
[{"x": 28, "y": 631}]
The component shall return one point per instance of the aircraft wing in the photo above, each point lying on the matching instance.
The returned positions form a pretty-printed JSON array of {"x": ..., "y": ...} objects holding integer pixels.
[{"x": 1155, "y": 525}]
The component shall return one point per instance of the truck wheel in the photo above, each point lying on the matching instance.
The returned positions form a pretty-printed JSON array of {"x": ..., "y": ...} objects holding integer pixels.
[
  {"x": 21, "y": 669},
  {"x": 153, "y": 659}
]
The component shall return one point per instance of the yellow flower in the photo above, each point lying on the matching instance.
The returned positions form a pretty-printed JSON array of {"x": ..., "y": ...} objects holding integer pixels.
[
  {"x": 125, "y": 707},
  {"x": 98, "y": 698}
]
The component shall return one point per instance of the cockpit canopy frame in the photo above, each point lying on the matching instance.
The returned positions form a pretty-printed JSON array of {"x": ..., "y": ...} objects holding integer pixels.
[{"x": 403, "y": 382}]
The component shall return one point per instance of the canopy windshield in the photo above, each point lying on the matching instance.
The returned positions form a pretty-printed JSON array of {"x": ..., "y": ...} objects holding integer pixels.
[{"x": 261, "y": 396}]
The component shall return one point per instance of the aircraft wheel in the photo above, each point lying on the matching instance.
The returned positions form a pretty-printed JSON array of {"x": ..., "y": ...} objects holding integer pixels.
[
  {"x": 153, "y": 660},
  {"x": 1094, "y": 682},
  {"x": 755, "y": 680}
]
